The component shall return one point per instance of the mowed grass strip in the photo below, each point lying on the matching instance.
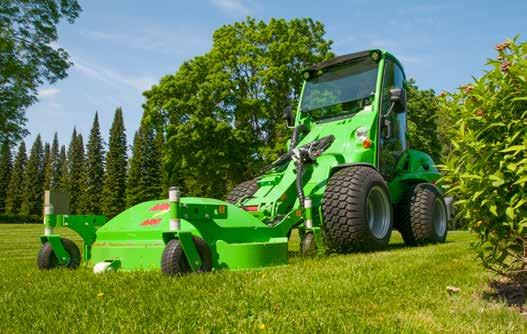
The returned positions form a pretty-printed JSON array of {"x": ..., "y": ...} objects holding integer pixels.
[{"x": 398, "y": 290}]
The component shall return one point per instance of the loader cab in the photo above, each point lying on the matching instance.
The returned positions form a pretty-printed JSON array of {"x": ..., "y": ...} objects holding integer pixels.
[{"x": 371, "y": 81}]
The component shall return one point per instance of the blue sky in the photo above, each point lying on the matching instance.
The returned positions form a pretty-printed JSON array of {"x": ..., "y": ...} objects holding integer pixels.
[{"x": 120, "y": 48}]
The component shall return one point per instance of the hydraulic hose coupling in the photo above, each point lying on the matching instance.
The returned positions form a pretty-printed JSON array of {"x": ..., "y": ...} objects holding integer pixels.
[
  {"x": 173, "y": 200},
  {"x": 49, "y": 219},
  {"x": 308, "y": 206}
]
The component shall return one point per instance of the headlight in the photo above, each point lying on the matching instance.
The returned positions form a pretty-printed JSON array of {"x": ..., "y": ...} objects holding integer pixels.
[{"x": 361, "y": 133}]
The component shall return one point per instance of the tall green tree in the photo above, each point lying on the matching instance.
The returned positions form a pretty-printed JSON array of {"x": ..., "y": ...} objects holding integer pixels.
[
  {"x": 152, "y": 181},
  {"x": 94, "y": 171},
  {"x": 423, "y": 111},
  {"x": 133, "y": 189},
  {"x": 6, "y": 166},
  {"x": 33, "y": 181},
  {"x": 29, "y": 57},
  {"x": 51, "y": 178},
  {"x": 145, "y": 178},
  {"x": 75, "y": 177},
  {"x": 114, "y": 190},
  {"x": 46, "y": 163},
  {"x": 14, "y": 190},
  {"x": 62, "y": 170},
  {"x": 225, "y": 106}
]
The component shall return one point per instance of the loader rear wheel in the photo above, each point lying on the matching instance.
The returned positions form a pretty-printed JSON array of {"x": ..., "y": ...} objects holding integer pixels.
[
  {"x": 244, "y": 189},
  {"x": 174, "y": 260},
  {"x": 48, "y": 260},
  {"x": 422, "y": 215},
  {"x": 357, "y": 211}
]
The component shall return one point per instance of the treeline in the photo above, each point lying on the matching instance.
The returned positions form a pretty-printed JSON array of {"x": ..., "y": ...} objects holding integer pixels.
[{"x": 99, "y": 178}]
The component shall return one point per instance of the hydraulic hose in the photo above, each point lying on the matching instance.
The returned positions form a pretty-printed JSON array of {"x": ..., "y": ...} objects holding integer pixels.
[
  {"x": 299, "y": 183},
  {"x": 296, "y": 135}
]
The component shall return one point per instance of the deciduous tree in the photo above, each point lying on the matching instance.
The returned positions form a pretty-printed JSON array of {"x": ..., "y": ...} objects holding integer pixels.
[
  {"x": 229, "y": 102},
  {"x": 29, "y": 56}
]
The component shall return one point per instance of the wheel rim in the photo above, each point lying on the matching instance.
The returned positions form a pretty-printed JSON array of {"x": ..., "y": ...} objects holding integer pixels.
[
  {"x": 440, "y": 220},
  {"x": 378, "y": 212}
]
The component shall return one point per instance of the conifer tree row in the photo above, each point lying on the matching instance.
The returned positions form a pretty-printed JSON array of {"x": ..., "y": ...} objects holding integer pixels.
[{"x": 99, "y": 180}]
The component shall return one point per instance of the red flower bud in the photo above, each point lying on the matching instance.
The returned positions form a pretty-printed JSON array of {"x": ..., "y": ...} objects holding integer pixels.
[{"x": 505, "y": 66}]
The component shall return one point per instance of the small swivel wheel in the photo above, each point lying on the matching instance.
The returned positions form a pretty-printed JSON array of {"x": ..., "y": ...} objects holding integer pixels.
[
  {"x": 174, "y": 261},
  {"x": 48, "y": 260}
]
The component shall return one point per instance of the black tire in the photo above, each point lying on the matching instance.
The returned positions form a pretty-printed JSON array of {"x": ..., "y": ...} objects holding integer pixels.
[
  {"x": 418, "y": 215},
  {"x": 174, "y": 261},
  {"x": 308, "y": 244},
  {"x": 244, "y": 189},
  {"x": 48, "y": 260},
  {"x": 347, "y": 211}
]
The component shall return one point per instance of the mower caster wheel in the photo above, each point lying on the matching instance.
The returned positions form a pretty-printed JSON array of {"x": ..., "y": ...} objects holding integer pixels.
[
  {"x": 308, "y": 245},
  {"x": 48, "y": 260},
  {"x": 174, "y": 261}
]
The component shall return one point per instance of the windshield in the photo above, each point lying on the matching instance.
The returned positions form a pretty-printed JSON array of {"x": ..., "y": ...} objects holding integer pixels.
[{"x": 341, "y": 90}]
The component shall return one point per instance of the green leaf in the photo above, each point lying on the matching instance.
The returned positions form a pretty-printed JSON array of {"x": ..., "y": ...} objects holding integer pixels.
[
  {"x": 510, "y": 213},
  {"x": 514, "y": 148},
  {"x": 494, "y": 210}
]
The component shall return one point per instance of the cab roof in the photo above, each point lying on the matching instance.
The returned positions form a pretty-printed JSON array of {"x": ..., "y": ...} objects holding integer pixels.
[{"x": 348, "y": 58}]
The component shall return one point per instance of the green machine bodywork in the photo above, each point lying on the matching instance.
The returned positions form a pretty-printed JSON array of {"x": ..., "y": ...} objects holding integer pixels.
[{"x": 253, "y": 232}]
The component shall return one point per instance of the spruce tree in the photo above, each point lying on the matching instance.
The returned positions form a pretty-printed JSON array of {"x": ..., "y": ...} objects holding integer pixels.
[
  {"x": 6, "y": 165},
  {"x": 51, "y": 179},
  {"x": 33, "y": 181},
  {"x": 76, "y": 175},
  {"x": 73, "y": 178},
  {"x": 14, "y": 194},
  {"x": 152, "y": 181},
  {"x": 145, "y": 180},
  {"x": 46, "y": 163},
  {"x": 114, "y": 190},
  {"x": 94, "y": 171},
  {"x": 62, "y": 170},
  {"x": 133, "y": 188}
]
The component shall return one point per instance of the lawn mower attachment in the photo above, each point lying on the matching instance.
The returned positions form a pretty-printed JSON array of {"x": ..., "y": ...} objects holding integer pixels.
[{"x": 178, "y": 236}]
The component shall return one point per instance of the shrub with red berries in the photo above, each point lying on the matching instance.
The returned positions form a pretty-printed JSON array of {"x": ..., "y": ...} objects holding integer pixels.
[{"x": 486, "y": 167}]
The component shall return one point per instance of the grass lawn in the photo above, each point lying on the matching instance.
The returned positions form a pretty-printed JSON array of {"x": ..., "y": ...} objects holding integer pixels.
[{"x": 397, "y": 290}]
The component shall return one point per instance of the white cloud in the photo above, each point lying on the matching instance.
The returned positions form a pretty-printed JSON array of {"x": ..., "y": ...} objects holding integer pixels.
[
  {"x": 112, "y": 77},
  {"x": 48, "y": 92},
  {"x": 180, "y": 41},
  {"x": 233, "y": 7}
]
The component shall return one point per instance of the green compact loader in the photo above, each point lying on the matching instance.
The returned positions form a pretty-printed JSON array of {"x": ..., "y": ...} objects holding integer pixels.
[{"x": 347, "y": 180}]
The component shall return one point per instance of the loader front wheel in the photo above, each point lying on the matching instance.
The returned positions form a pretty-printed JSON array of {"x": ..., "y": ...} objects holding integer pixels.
[
  {"x": 243, "y": 190},
  {"x": 422, "y": 216},
  {"x": 174, "y": 261},
  {"x": 357, "y": 211},
  {"x": 48, "y": 260}
]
